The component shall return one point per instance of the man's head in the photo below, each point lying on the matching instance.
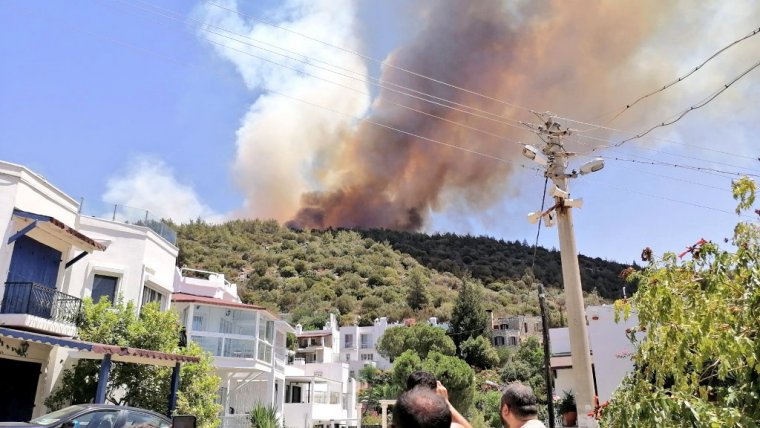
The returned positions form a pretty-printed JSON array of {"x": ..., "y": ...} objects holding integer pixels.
[
  {"x": 421, "y": 408},
  {"x": 518, "y": 404},
  {"x": 421, "y": 378}
]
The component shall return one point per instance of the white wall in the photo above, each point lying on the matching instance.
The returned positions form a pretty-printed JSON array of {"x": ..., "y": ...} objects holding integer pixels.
[{"x": 612, "y": 349}]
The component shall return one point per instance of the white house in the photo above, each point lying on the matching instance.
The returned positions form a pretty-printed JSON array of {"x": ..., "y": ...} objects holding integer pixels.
[
  {"x": 358, "y": 346},
  {"x": 610, "y": 352},
  {"x": 248, "y": 343},
  {"x": 318, "y": 390},
  {"x": 51, "y": 257}
]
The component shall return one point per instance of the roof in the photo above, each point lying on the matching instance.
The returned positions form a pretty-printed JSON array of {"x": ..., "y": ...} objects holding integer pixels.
[
  {"x": 192, "y": 298},
  {"x": 314, "y": 334},
  {"x": 96, "y": 350},
  {"x": 75, "y": 237}
]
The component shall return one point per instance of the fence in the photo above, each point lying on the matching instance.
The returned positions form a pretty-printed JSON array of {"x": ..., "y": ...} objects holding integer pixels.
[
  {"x": 130, "y": 215},
  {"x": 39, "y": 300}
]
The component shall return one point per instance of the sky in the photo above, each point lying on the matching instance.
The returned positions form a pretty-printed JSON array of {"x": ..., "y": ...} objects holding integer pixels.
[{"x": 117, "y": 101}]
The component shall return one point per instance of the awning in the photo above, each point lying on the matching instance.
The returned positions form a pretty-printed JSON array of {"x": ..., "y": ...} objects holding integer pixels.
[
  {"x": 96, "y": 351},
  {"x": 55, "y": 228},
  {"x": 562, "y": 362}
]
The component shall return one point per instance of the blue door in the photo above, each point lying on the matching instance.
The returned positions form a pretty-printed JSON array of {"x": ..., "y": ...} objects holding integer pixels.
[
  {"x": 31, "y": 278},
  {"x": 35, "y": 262}
]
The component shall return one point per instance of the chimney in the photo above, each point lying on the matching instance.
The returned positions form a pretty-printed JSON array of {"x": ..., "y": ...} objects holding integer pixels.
[
  {"x": 299, "y": 328},
  {"x": 490, "y": 314}
]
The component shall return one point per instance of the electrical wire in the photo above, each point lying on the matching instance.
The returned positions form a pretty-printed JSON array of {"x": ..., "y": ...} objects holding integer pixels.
[
  {"x": 538, "y": 227},
  {"x": 375, "y": 82},
  {"x": 689, "y": 167},
  {"x": 182, "y": 63},
  {"x": 701, "y": 104},
  {"x": 420, "y": 75},
  {"x": 681, "y": 78}
]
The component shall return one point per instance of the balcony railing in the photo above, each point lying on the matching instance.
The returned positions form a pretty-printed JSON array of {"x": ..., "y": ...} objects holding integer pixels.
[{"x": 39, "y": 300}]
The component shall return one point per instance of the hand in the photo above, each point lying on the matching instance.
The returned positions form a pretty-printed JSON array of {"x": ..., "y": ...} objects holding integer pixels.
[{"x": 442, "y": 391}]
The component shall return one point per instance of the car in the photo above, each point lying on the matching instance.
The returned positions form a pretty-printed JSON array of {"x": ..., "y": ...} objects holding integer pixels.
[{"x": 96, "y": 416}]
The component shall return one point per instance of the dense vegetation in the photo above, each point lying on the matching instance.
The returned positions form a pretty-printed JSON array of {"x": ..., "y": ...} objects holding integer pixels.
[
  {"x": 309, "y": 273},
  {"x": 493, "y": 261}
]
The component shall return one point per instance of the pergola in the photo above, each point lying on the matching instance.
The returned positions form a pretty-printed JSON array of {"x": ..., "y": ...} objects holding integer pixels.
[{"x": 107, "y": 354}]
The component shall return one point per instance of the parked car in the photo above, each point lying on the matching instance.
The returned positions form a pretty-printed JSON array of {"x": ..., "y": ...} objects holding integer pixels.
[{"x": 96, "y": 416}]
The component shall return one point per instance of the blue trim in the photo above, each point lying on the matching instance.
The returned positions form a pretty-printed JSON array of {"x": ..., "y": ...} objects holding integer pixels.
[
  {"x": 79, "y": 257},
  {"x": 31, "y": 216},
  {"x": 22, "y": 232},
  {"x": 105, "y": 371},
  {"x": 45, "y": 339}
]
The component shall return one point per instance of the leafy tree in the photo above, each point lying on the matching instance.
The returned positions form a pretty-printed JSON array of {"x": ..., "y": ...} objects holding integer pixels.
[
  {"x": 526, "y": 365},
  {"x": 478, "y": 352},
  {"x": 422, "y": 338},
  {"x": 406, "y": 364},
  {"x": 417, "y": 296},
  {"x": 378, "y": 387},
  {"x": 699, "y": 363},
  {"x": 469, "y": 318},
  {"x": 456, "y": 376},
  {"x": 139, "y": 385}
]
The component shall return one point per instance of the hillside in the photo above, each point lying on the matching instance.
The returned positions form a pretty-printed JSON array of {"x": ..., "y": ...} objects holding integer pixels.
[{"x": 311, "y": 273}]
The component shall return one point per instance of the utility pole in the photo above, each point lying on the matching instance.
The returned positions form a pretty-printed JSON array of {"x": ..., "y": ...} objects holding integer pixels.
[
  {"x": 547, "y": 354},
  {"x": 555, "y": 159}
]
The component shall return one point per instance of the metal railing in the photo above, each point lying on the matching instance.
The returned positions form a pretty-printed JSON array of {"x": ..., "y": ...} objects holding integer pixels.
[
  {"x": 130, "y": 215},
  {"x": 236, "y": 421},
  {"x": 38, "y": 300}
]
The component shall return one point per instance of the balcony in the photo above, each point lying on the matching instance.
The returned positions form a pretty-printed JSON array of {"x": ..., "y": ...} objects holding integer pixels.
[{"x": 37, "y": 307}]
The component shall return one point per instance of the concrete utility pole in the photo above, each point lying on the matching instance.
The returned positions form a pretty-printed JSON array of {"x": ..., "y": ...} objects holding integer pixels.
[{"x": 555, "y": 158}]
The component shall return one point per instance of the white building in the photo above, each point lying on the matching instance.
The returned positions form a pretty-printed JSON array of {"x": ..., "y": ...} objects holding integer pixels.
[
  {"x": 610, "y": 352},
  {"x": 358, "y": 346},
  {"x": 248, "y": 343},
  {"x": 318, "y": 390},
  {"x": 52, "y": 257}
]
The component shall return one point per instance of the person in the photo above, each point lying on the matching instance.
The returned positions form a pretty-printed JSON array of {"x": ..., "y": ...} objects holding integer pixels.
[
  {"x": 421, "y": 408},
  {"x": 519, "y": 407},
  {"x": 427, "y": 380}
]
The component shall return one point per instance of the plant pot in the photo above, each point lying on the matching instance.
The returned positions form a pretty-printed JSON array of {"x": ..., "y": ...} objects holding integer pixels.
[{"x": 569, "y": 419}]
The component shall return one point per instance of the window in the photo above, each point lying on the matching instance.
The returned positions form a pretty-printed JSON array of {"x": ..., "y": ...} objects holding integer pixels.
[
  {"x": 513, "y": 341},
  {"x": 367, "y": 357},
  {"x": 104, "y": 286},
  {"x": 349, "y": 340},
  {"x": 151, "y": 295},
  {"x": 348, "y": 357},
  {"x": 352, "y": 374},
  {"x": 97, "y": 419},
  {"x": 198, "y": 322},
  {"x": 498, "y": 341},
  {"x": 365, "y": 341},
  {"x": 144, "y": 420}
]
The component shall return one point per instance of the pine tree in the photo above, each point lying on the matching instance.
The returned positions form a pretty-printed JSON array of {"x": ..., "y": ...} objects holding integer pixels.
[
  {"x": 417, "y": 296},
  {"x": 469, "y": 318}
]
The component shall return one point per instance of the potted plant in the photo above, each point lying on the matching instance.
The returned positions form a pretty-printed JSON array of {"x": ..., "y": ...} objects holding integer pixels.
[{"x": 567, "y": 409}]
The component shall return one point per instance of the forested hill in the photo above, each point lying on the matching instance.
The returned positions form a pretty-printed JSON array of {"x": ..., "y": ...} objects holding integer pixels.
[
  {"x": 492, "y": 260},
  {"x": 362, "y": 275}
]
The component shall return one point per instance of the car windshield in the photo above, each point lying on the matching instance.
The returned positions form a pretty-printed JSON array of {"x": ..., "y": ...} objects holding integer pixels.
[{"x": 54, "y": 417}]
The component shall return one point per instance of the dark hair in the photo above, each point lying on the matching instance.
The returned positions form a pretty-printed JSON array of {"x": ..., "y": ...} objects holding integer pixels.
[
  {"x": 521, "y": 400},
  {"x": 421, "y": 378},
  {"x": 421, "y": 408}
]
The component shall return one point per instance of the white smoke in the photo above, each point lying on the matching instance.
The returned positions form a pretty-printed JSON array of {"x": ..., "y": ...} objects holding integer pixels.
[
  {"x": 149, "y": 184},
  {"x": 282, "y": 143}
]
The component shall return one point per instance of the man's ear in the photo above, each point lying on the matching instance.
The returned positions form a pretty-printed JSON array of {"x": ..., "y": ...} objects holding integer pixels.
[{"x": 504, "y": 409}]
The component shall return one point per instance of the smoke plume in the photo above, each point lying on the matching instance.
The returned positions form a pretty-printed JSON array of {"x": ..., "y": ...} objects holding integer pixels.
[{"x": 318, "y": 169}]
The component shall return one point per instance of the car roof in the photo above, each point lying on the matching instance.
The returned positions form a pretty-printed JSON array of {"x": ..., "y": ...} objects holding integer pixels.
[{"x": 89, "y": 406}]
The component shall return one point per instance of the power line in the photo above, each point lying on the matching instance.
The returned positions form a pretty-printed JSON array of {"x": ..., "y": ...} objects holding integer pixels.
[
  {"x": 182, "y": 63},
  {"x": 375, "y": 82},
  {"x": 682, "y": 78},
  {"x": 701, "y": 104},
  {"x": 538, "y": 227},
  {"x": 420, "y": 75},
  {"x": 689, "y": 167}
]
